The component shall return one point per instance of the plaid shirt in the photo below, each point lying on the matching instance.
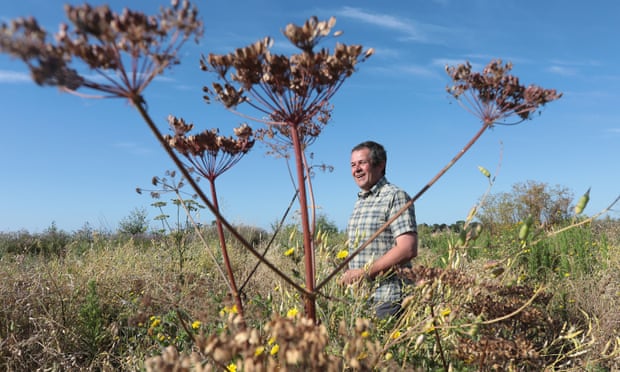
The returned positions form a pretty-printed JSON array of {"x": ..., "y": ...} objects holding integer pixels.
[{"x": 372, "y": 209}]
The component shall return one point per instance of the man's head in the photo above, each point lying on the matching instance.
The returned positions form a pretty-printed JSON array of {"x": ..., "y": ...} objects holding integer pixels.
[{"x": 368, "y": 160}]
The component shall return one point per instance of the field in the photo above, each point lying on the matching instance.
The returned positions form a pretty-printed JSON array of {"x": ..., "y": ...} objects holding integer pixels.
[{"x": 101, "y": 301}]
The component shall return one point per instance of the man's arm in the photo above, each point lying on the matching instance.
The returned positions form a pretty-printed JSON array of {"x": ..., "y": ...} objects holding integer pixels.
[{"x": 405, "y": 249}]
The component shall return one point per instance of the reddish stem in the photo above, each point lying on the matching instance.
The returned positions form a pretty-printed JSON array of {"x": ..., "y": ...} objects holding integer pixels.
[
  {"x": 310, "y": 305},
  {"x": 231, "y": 275},
  {"x": 138, "y": 102}
]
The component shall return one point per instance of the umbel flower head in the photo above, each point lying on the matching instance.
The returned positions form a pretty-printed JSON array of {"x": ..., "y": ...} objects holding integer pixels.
[
  {"x": 209, "y": 153},
  {"x": 289, "y": 92},
  {"x": 494, "y": 94},
  {"x": 135, "y": 46}
]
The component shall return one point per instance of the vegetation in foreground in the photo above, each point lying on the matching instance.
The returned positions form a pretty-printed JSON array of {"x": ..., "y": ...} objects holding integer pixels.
[
  {"x": 524, "y": 295},
  {"x": 95, "y": 301}
]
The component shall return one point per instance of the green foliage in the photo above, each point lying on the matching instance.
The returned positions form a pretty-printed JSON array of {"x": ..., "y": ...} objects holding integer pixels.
[
  {"x": 91, "y": 321},
  {"x": 175, "y": 233},
  {"x": 573, "y": 253},
  {"x": 136, "y": 223},
  {"x": 324, "y": 224},
  {"x": 53, "y": 241},
  {"x": 19, "y": 242},
  {"x": 547, "y": 205}
]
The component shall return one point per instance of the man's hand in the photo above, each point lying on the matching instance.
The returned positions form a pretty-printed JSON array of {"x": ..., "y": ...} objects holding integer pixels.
[{"x": 352, "y": 276}]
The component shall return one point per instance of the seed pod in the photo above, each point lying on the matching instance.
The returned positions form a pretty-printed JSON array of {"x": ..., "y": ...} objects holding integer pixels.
[
  {"x": 581, "y": 204},
  {"x": 484, "y": 171},
  {"x": 525, "y": 228},
  {"x": 472, "y": 213},
  {"x": 462, "y": 238}
]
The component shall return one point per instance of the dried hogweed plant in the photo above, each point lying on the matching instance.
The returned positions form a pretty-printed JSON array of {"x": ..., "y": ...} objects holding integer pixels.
[
  {"x": 210, "y": 154},
  {"x": 125, "y": 51},
  {"x": 290, "y": 95}
]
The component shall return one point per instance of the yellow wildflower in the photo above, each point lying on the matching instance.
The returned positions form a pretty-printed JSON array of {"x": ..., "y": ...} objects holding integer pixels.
[
  {"x": 259, "y": 351},
  {"x": 395, "y": 335},
  {"x": 229, "y": 310},
  {"x": 271, "y": 341},
  {"x": 292, "y": 313},
  {"x": 365, "y": 334},
  {"x": 342, "y": 254},
  {"x": 289, "y": 251},
  {"x": 274, "y": 349},
  {"x": 445, "y": 312},
  {"x": 232, "y": 367},
  {"x": 196, "y": 324},
  {"x": 155, "y": 322}
]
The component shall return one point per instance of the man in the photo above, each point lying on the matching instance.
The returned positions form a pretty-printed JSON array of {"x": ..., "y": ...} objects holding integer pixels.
[{"x": 378, "y": 201}]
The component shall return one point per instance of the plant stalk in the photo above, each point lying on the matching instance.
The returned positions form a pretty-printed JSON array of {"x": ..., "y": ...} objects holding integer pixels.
[
  {"x": 309, "y": 299},
  {"x": 139, "y": 103}
]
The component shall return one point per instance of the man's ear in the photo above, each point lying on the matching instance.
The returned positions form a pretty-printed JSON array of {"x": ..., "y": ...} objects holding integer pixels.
[{"x": 382, "y": 166}]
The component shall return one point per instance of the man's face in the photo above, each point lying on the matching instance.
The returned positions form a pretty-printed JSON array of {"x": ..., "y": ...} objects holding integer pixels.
[{"x": 364, "y": 174}]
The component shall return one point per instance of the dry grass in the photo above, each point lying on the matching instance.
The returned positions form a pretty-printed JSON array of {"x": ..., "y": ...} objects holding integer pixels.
[{"x": 139, "y": 309}]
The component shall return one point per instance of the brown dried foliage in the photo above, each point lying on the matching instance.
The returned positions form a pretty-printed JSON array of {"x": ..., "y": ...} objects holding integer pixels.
[
  {"x": 504, "y": 333},
  {"x": 290, "y": 91},
  {"x": 136, "y": 46},
  {"x": 303, "y": 346},
  {"x": 209, "y": 153},
  {"x": 494, "y": 94}
]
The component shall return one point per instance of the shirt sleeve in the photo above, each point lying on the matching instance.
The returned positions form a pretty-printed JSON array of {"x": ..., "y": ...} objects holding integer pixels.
[{"x": 406, "y": 222}]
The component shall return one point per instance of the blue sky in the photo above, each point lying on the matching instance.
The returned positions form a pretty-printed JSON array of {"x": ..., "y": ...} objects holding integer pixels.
[{"x": 72, "y": 161}]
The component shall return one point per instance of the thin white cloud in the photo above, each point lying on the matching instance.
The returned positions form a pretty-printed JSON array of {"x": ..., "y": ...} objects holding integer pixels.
[
  {"x": 389, "y": 53},
  {"x": 411, "y": 30},
  {"x": 421, "y": 71},
  {"x": 586, "y": 63},
  {"x": 133, "y": 148},
  {"x": 562, "y": 70},
  {"x": 14, "y": 77},
  {"x": 400, "y": 70}
]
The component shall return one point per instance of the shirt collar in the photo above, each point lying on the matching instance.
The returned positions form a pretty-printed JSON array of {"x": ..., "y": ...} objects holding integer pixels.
[{"x": 374, "y": 189}]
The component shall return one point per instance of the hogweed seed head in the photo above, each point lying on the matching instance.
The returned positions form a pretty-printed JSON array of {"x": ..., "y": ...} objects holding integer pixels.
[
  {"x": 207, "y": 152},
  {"x": 130, "y": 48},
  {"x": 289, "y": 92},
  {"x": 494, "y": 94}
]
